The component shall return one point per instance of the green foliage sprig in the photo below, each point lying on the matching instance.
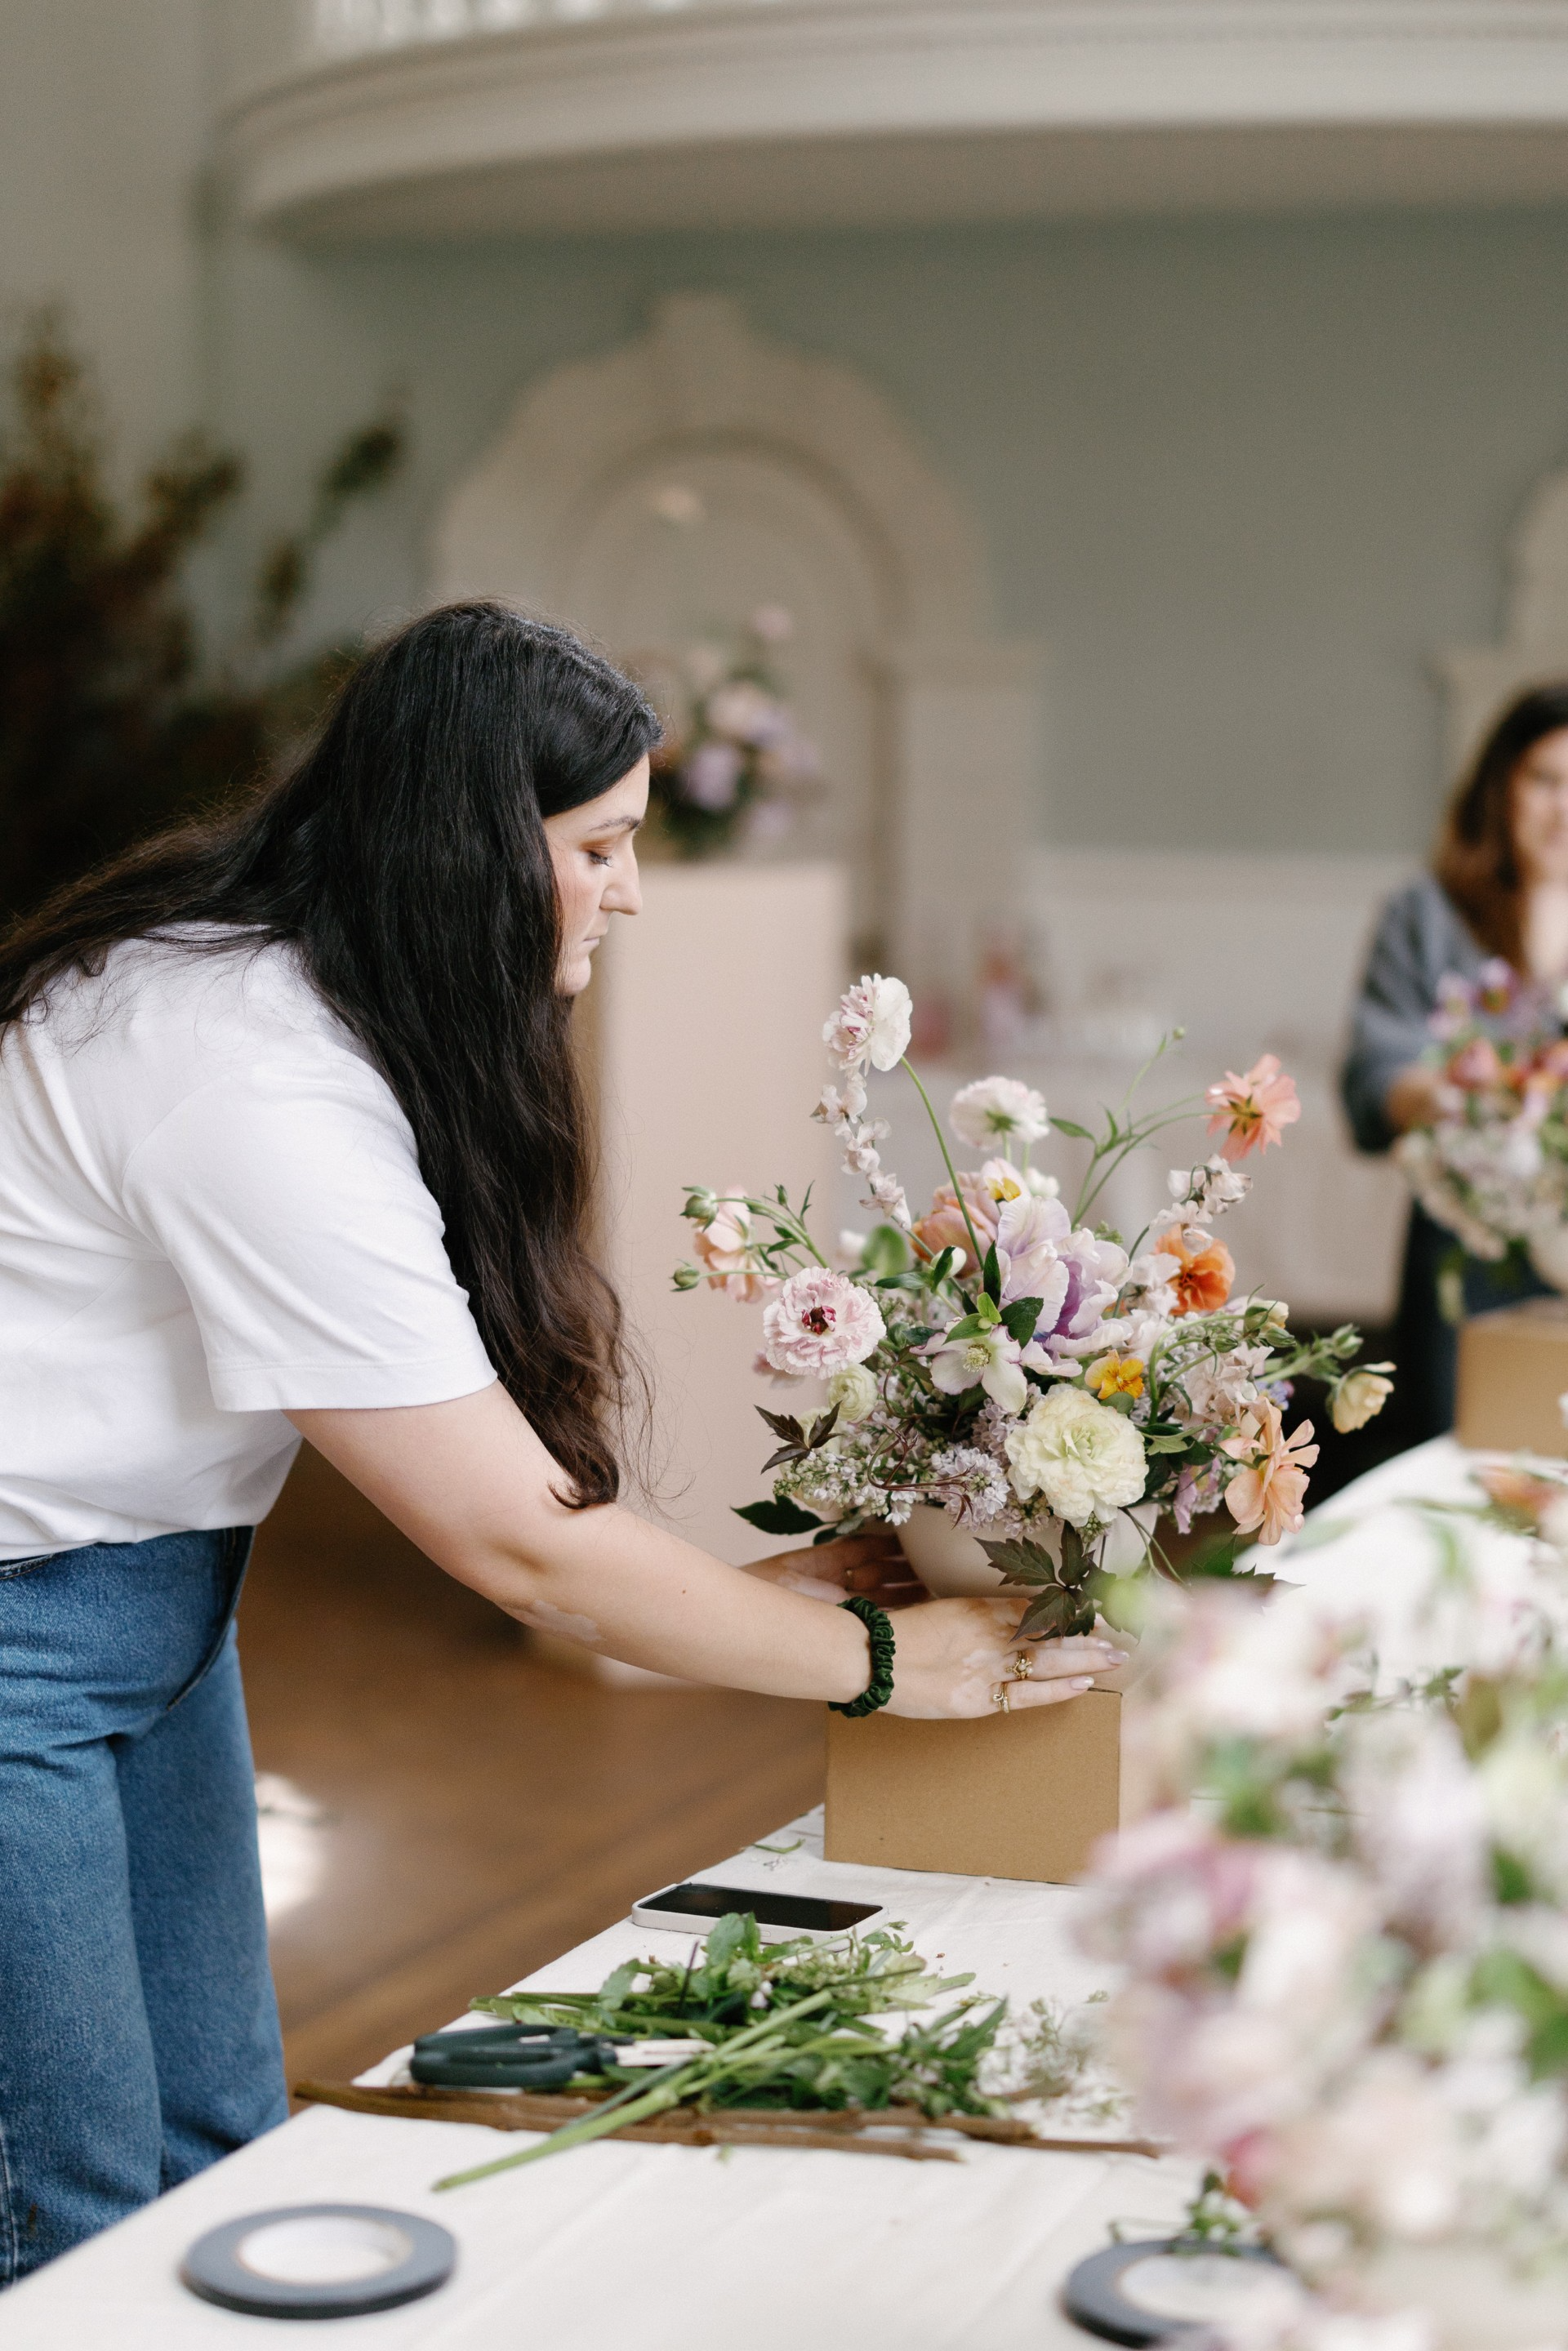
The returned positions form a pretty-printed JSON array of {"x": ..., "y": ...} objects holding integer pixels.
[{"x": 790, "y": 2025}]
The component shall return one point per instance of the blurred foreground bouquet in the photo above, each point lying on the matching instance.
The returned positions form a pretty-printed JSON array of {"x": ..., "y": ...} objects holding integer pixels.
[
  {"x": 1493, "y": 1168},
  {"x": 735, "y": 764},
  {"x": 1057, "y": 1391},
  {"x": 1343, "y": 1929}
]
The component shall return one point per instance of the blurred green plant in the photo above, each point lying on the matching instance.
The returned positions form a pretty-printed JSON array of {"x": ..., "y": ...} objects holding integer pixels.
[{"x": 115, "y": 716}]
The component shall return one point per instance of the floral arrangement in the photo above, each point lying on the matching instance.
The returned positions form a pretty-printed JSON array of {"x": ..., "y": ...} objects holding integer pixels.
[
  {"x": 1493, "y": 1168},
  {"x": 1057, "y": 1391},
  {"x": 737, "y": 762},
  {"x": 1344, "y": 1968}
]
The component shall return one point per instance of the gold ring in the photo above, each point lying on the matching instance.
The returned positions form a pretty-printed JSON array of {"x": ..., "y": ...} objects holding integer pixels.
[
  {"x": 1000, "y": 1700},
  {"x": 1023, "y": 1667}
]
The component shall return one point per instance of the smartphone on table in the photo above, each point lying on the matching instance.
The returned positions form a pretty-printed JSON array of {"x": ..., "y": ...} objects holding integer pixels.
[{"x": 691, "y": 1909}]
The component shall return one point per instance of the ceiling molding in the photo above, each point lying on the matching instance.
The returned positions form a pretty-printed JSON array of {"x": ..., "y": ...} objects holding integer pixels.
[{"x": 799, "y": 109}]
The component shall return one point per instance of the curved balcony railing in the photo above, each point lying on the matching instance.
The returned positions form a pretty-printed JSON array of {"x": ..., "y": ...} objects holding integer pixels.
[
  {"x": 473, "y": 116},
  {"x": 346, "y": 28}
]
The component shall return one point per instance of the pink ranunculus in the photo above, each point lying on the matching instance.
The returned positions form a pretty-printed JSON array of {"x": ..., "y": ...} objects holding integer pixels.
[
  {"x": 1250, "y": 1112},
  {"x": 821, "y": 1322},
  {"x": 1268, "y": 1496}
]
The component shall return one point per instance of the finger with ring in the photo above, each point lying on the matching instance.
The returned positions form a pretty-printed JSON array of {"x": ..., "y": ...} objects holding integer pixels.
[
  {"x": 1023, "y": 1665},
  {"x": 1000, "y": 1700}
]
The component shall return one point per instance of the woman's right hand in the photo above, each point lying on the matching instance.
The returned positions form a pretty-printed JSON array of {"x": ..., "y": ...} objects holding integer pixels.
[{"x": 951, "y": 1656}]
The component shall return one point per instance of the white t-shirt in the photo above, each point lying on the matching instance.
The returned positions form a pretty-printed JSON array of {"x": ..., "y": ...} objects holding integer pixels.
[{"x": 211, "y": 1211}]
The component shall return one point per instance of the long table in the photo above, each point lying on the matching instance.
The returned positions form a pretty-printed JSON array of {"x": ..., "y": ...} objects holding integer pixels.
[
  {"x": 739, "y": 2248},
  {"x": 668, "y": 2248}
]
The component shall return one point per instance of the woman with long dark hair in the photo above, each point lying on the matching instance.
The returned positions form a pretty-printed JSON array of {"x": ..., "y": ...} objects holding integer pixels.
[
  {"x": 1499, "y": 888},
  {"x": 290, "y": 1140}
]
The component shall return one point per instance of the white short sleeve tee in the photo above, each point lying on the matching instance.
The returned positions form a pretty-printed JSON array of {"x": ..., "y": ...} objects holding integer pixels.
[{"x": 211, "y": 1212}]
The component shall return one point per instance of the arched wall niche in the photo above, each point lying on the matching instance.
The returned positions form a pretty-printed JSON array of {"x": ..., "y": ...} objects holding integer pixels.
[
  {"x": 1479, "y": 680},
  {"x": 660, "y": 494}
]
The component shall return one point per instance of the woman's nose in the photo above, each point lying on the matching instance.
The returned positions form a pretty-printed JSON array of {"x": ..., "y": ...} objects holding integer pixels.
[{"x": 625, "y": 895}]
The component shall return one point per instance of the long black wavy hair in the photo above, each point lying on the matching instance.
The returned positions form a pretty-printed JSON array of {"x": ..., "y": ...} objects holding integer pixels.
[{"x": 404, "y": 858}]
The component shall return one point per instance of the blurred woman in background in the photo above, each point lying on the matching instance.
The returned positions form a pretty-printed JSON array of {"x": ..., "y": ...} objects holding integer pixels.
[{"x": 1499, "y": 888}]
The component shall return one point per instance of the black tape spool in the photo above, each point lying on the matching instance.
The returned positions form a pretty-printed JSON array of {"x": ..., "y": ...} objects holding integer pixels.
[
  {"x": 216, "y": 2268},
  {"x": 1093, "y": 2298}
]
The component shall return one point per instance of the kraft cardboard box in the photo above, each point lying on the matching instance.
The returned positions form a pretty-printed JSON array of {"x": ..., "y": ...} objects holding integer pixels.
[
  {"x": 1011, "y": 1795},
  {"x": 1513, "y": 1367}
]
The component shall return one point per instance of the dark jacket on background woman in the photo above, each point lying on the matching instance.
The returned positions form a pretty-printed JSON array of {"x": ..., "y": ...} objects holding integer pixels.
[{"x": 1420, "y": 937}]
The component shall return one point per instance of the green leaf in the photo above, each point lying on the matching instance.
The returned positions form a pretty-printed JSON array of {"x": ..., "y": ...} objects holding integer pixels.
[
  {"x": 1066, "y": 1126},
  {"x": 1022, "y": 1561},
  {"x": 1058, "y": 1616},
  {"x": 1164, "y": 1444},
  {"x": 727, "y": 1940},
  {"x": 823, "y": 1429},
  {"x": 1020, "y": 1319},
  {"x": 886, "y": 1252},
  {"x": 971, "y": 1327},
  {"x": 992, "y": 1276},
  {"x": 777, "y": 1518},
  {"x": 782, "y": 1425},
  {"x": 1511, "y": 1879}
]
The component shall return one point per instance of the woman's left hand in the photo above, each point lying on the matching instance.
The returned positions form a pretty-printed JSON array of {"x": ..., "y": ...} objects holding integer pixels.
[{"x": 873, "y": 1564}]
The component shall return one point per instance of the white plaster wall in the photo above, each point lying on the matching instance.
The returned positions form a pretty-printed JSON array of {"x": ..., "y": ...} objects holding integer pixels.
[
  {"x": 102, "y": 126},
  {"x": 1243, "y": 481}
]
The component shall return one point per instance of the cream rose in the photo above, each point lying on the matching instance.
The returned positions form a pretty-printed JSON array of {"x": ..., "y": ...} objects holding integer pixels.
[
  {"x": 854, "y": 1391},
  {"x": 1085, "y": 1459}
]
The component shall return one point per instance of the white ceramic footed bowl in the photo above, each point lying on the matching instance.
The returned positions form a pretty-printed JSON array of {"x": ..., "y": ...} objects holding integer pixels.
[
  {"x": 952, "y": 1566},
  {"x": 948, "y": 1560}
]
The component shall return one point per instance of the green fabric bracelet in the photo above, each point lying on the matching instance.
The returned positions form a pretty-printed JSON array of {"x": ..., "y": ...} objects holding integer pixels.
[{"x": 880, "y": 1688}]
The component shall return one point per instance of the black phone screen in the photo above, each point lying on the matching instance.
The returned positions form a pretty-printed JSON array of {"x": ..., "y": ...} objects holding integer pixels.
[{"x": 806, "y": 1911}]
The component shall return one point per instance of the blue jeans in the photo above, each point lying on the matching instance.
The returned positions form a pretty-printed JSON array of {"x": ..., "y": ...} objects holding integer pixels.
[{"x": 138, "y": 2036}]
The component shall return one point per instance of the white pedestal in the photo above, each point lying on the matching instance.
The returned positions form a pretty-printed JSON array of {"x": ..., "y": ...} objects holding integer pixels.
[{"x": 706, "y": 1032}]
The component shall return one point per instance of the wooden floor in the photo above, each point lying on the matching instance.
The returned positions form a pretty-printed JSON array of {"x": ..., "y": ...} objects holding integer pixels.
[{"x": 481, "y": 1811}]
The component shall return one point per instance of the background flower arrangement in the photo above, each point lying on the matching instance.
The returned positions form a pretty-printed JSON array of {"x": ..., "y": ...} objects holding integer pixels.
[
  {"x": 735, "y": 764},
  {"x": 1055, "y": 1390},
  {"x": 1342, "y": 1922},
  {"x": 1493, "y": 1167}
]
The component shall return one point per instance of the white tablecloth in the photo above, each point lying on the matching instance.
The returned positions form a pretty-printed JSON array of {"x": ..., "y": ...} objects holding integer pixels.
[
  {"x": 672, "y": 2249},
  {"x": 677, "y": 2248}
]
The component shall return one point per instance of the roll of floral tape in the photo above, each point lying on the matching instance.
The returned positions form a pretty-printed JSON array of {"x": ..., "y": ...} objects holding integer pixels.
[
  {"x": 320, "y": 2261},
  {"x": 1167, "y": 2288}
]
